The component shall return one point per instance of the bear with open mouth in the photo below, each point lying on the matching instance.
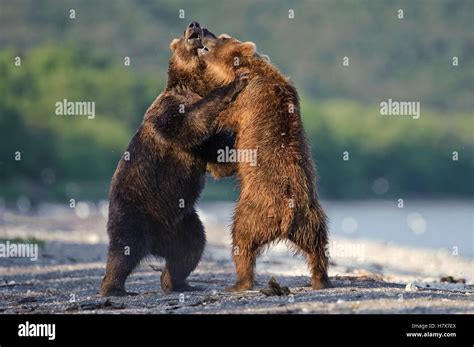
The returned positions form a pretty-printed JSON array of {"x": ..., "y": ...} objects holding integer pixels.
[{"x": 153, "y": 193}]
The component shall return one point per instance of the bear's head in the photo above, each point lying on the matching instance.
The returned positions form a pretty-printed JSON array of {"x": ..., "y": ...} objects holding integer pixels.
[
  {"x": 225, "y": 57},
  {"x": 185, "y": 64}
]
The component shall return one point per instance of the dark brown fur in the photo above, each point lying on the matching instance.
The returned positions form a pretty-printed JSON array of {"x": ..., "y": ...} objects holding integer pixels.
[
  {"x": 278, "y": 199},
  {"x": 167, "y": 167}
]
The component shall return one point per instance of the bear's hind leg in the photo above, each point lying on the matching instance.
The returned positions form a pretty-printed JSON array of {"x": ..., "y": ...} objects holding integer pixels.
[
  {"x": 183, "y": 254},
  {"x": 127, "y": 247},
  {"x": 245, "y": 257},
  {"x": 247, "y": 243},
  {"x": 120, "y": 264},
  {"x": 312, "y": 239}
]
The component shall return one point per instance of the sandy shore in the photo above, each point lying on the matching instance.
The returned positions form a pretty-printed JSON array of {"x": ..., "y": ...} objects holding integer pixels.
[{"x": 368, "y": 276}]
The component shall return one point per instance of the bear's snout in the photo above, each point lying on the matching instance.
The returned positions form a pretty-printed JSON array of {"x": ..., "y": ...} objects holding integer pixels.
[
  {"x": 194, "y": 24},
  {"x": 194, "y": 34}
]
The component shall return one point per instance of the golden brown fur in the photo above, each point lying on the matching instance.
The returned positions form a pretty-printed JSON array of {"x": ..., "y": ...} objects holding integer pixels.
[{"x": 278, "y": 198}]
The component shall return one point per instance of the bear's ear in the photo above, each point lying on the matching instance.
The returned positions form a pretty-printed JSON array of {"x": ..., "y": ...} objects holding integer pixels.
[
  {"x": 248, "y": 48},
  {"x": 224, "y": 36},
  {"x": 174, "y": 44}
]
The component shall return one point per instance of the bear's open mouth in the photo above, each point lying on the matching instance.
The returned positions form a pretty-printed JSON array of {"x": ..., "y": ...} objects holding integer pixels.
[
  {"x": 194, "y": 38},
  {"x": 194, "y": 35}
]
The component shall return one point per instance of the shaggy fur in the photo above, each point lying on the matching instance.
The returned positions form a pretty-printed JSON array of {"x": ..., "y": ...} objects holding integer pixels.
[
  {"x": 152, "y": 195},
  {"x": 278, "y": 198}
]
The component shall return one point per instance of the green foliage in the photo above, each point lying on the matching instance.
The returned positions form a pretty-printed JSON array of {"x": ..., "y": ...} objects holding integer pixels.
[
  {"x": 74, "y": 148},
  {"x": 409, "y": 58},
  {"x": 82, "y": 59},
  {"x": 414, "y": 155}
]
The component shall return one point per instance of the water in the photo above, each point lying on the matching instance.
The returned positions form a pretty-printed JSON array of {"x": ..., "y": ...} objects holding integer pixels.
[{"x": 445, "y": 224}]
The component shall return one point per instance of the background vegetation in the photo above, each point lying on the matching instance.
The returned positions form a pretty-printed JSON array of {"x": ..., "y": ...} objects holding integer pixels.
[{"x": 83, "y": 59}]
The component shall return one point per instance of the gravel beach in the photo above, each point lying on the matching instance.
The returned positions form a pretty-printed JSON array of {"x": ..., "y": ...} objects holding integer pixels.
[{"x": 368, "y": 276}]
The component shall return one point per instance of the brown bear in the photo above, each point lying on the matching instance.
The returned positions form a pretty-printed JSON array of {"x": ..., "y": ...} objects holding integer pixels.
[
  {"x": 153, "y": 193},
  {"x": 278, "y": 198}
]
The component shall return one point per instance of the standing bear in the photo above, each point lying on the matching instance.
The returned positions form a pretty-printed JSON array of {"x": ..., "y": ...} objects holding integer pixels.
[
  {"x": 157, "y": 183},
  {"x": 278, "y": 198}
]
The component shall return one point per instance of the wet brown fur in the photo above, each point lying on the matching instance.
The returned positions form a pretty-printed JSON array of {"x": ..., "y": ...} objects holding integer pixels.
[
  {"x": 168, "y": 158},
  {"x": 278, "y": 199}
]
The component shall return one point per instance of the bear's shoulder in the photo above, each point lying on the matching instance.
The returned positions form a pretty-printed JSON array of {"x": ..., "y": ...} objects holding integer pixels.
[{"x": 172, "y": 100}]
